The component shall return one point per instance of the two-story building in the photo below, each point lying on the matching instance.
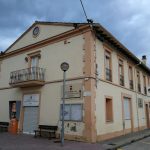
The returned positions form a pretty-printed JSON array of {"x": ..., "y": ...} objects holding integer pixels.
[{"x": 107, "y": 89}]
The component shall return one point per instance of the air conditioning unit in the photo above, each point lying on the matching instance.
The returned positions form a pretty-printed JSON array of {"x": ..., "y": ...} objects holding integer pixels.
[{"x": 148, "y": 91}]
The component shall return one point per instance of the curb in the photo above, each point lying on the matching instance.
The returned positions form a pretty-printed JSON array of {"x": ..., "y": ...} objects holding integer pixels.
[{"x": 129, "y": 142}]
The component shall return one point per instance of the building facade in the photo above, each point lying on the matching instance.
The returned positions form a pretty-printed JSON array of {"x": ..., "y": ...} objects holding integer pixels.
[{"x": 107, "y": 89}]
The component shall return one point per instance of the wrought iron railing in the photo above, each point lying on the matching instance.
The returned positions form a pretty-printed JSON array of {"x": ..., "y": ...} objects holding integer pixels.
[
  {"x": 33, "y": 73},
  {"x": 108, "y": 74}
]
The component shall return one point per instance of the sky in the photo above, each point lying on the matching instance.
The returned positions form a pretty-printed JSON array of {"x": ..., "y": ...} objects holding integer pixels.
[{"x": 127, "y": 20}]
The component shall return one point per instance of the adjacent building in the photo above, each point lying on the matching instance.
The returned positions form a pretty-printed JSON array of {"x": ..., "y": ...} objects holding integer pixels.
[{"x": 107, "y": 89}]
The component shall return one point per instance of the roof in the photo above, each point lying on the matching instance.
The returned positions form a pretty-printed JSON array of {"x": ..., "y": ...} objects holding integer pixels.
[{"x": 101, "y": 33}]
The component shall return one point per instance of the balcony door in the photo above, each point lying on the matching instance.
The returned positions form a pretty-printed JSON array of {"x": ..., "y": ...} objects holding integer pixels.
[{"x": 34, "y": 65}]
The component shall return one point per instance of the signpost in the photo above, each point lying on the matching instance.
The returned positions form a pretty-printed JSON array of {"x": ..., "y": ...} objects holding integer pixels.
[{"x": 64, "y": 67}]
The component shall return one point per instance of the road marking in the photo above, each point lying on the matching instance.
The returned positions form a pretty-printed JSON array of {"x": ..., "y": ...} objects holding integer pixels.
[{"x": 145, "y": 142}]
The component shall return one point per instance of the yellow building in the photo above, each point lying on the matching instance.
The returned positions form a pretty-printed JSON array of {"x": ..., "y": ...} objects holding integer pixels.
[{"x": 107, "y": 91}]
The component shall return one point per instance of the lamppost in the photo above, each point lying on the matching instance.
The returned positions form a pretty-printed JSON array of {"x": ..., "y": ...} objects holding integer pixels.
[{"x": 64, "y": 67}]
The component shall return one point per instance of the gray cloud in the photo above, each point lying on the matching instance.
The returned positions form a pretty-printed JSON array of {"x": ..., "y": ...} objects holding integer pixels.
[{"x": 127, "y": 20}]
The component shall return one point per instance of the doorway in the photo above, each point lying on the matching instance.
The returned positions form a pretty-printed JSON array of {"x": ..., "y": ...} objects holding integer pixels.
[
  {"x": 30, "y": 122},
  {"x": 127, "y": 115},
  {"x": 147, "y": 115}
]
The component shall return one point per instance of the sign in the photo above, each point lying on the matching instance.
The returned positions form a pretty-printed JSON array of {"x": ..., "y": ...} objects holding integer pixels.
[
  {"x": 31, "y": 100},
  {"x": 73, "y": 91},
  {"x": 87, "y": 93}
]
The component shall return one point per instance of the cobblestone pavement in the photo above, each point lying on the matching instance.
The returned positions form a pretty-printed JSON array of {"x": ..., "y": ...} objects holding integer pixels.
[{"x": 28, "y": 142}]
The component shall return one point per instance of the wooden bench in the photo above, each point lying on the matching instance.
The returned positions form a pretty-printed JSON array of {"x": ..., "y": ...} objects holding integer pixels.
[
  {"x": 4, "y": 126},
  {"x": 51, "y": 130}
]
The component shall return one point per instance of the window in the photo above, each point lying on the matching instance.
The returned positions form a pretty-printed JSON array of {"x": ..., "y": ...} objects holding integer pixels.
[
  {"x": 131, "y": 78},
  {"x": 138, "y": 81},
  {"x": 109, "y": 110},
  {"x": 144, "y": 84},
  {"x": 140, "y": 103},
  {"x": 73, "y": 112},
  {"x": 108, "y": 71},
  {"x": 34, "y": 61},
  {"x": 34, "y": 69},
  {"x": 121, "y": 72}
]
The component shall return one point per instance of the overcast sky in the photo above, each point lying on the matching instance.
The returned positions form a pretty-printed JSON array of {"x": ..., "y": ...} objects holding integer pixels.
[{"x": 127, "y": 20}]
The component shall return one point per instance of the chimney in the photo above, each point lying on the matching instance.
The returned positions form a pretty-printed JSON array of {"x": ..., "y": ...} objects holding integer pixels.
[{"x": 144, "y": 59}]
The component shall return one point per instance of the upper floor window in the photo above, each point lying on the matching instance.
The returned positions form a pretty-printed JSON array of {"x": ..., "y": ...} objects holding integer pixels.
[
  {"x": 144, "y": 84},
  {"x": 34, "y": 61},
  {"x": 121, "y": 72},
  {"x": 131, "y": 77},
  {"x": 108, "y": 66},
  {"x": 138, "y": 81}
]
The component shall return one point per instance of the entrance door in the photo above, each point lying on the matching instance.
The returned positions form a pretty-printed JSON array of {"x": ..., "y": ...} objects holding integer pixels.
[
  {"x": 147, "y": 115},
  {"x": 127, "y": 118},
  {"x": 30, "y": 119}
]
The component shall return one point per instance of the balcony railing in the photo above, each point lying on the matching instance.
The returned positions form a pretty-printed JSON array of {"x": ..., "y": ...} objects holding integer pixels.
[
  {"x": 108, "y": 74},
  {"x": 121, "y": 80},
  {"x": 29, "y": 74},
  {"x": 131, "y": 84}
]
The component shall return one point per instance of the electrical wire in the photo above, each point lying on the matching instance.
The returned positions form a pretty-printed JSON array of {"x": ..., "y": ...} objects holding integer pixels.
[{"x": 84, "y": 10}]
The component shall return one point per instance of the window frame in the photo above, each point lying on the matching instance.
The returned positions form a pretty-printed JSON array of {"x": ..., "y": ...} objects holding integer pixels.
[
  {"x": 33, "y": 55},
  {"x": 132, "y": 76},
  {"x": 121, "y": 63},
  {"x": 108, "y": 53},
  {"x": 70, "y": 112}
]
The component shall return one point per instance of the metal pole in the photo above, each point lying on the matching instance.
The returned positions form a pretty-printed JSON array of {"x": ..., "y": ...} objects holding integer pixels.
[{"x": 63, "y": 108}]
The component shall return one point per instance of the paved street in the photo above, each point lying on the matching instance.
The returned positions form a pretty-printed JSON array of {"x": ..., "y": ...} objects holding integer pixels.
[
  {"x": 139, "y": 145},
  {"x": 27, "y": 142}
]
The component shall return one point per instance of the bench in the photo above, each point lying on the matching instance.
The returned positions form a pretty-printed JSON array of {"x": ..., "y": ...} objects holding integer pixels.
[
  {"x": 51, "y": 130},
  {"x": 4, "y": 126}
]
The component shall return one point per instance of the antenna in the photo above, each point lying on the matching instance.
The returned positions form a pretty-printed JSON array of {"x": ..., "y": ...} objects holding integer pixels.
[{"x": 88, "y": 20}]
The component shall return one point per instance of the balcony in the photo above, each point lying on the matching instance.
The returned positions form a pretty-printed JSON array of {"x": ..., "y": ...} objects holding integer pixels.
[{"x": 33, "y": 76}]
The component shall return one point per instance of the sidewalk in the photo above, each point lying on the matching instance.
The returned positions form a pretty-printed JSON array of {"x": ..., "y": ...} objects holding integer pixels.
[
  {"x": 121, "y": 141},
  {"x": 28, "y": 142}
]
